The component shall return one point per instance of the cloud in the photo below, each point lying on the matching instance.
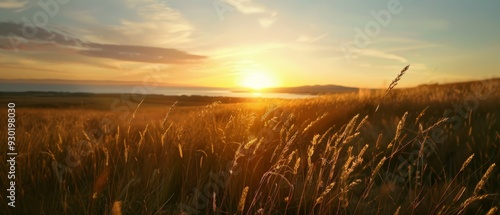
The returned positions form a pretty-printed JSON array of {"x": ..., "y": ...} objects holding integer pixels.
[
  {"x": 246, "y": 6},
  {"x": 50, "y": 40},
  {"x": 140, "y": 54},
  {"x": 147, "y": 23},
  {"x": 381, "y": 54},
  {"x": 306, "y": 39},
  {"x": 13, "y": 4},
  {"x": 159, "y": 25},
  {"x": 25, "y": 33},
  {"x": 266, "y": 22}
]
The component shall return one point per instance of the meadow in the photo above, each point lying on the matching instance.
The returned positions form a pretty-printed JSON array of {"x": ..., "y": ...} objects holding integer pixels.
[{"x": 431, "y": 149}]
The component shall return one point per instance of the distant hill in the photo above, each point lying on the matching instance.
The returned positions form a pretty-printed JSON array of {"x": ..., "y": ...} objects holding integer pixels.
[
  {"x": 328, "y": 89},
  {"x": 313, "y": 90}
]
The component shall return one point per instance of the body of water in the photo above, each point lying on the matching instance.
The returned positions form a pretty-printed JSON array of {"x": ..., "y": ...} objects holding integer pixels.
[{"x": 161, "y": 90}]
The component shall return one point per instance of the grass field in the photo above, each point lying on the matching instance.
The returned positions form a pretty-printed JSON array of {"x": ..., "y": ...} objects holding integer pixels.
[{"x": 433, "y": 149}]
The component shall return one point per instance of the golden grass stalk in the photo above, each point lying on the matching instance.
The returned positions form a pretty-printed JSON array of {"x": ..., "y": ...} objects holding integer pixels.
[
  {"x": 397, "y": 211},
  {"x": 379, "y": 140},
  {"x": 422, "y": 113},
  {"x": 310, "y": 152},
  {"x": 142, "y": 134},
  {"x": 260, "y": 211},
  {"x": 59, "y": 143},
  {"x": 87, "y": 136},
  {"x": 125, "y": 152},
  {"x": 363, "y": 121},
  {"x": 349, "y": 128},
  {"x": 117, "y": 208},
  {"x": 377, "y": 168},
  {"x": 296, "y": 166},
  {"x": 214, "y": 202},
  {"x": 325, "y": 192},
  {"x": 459, "y": 194},
  {"x": 354, "y": 183},
  {"x": 290, "y": 157},
  {"x": 168, "y": 113},
  {"x": 106, "y": 153},
  {"x": 464, "y": 165},
  {"x": 325, "y": 134},
  {"x": 180, "y": 149},
  {"x": 362, "y": 152},
  {"x": 483, "y": 180},
  {"x": 257, "y": 146},
  {"x": 201, "y": 161},
  {"x": 441, "y": 121},
  {"x": 492, "y": 211},
  {"x": 313, "y": 122},
  {"x": 117, "y": 135},
  {"x": 250, "y": 143},
  {"x": 287, "y": 145},
  {"x": 470, "y": 200},
  {"x": 399, "y": 129},
  {"x": 164, "y": 135},
  {"x": 100, "y": 182},
  {"x": 133, "y": 116},
  {"x": 392, "y": 85},
  {"x": 243, "y": 198}
]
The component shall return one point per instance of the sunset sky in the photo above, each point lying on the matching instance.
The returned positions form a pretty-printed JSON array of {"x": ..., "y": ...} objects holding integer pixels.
[{"x": 253, "y": 43}]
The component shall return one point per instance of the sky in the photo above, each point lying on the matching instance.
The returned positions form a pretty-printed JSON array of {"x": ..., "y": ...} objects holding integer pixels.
[{"x": 250, "y": 43}]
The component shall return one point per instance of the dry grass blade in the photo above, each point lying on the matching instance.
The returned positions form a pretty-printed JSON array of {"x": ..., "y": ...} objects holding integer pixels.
[
  {"x": 459, "y": 194},
  {"x": 399, "y": 130},
  {"x": 483, "y": 180},
  {"x": 214, "y": 202},
  {"x": 392, "y": 85},
  {"x": 470, "y": 200},
  {"x": 117, "y": 208},
  {"x": 168, "y": 113},
  {"x": 397, "y": 211},
  {"x": 327, "y": 190},
  {"x": 133, "y": 116},
  {"x": 377, "y": 168},
  {"x": 492, "y": 211},
  {"x": 243, "y": 198},
  {"x": 466, "y": 163}
]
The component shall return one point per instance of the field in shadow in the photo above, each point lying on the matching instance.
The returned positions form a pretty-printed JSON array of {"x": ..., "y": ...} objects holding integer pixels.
[{"x": 427, "y": 150}]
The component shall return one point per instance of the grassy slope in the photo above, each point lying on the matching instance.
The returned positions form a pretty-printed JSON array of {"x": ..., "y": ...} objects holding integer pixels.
[{"x": 83, "y": 155}]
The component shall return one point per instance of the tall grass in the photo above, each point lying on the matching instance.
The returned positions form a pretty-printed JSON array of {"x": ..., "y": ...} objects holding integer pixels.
[{"x": 324, "y": 155}]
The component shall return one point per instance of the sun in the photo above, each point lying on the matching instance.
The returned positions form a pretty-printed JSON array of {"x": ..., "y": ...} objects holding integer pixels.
[{"x": 257, "y": 80}]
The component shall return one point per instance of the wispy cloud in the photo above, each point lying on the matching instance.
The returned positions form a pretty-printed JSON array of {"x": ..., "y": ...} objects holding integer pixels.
[
  {"x": 246, "y": 6},
  {"x": 153, "y": 23},
  {"x": 251, "y": 7},
  {"x": 50, "y": 40},
  {"x": 268, "y": 21},
  {"x": 381, "y": 54},
  {"x": 307, "y": 39},
  {"x": 141, "y": 54},
  {"x": 13, "y": 4}
]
